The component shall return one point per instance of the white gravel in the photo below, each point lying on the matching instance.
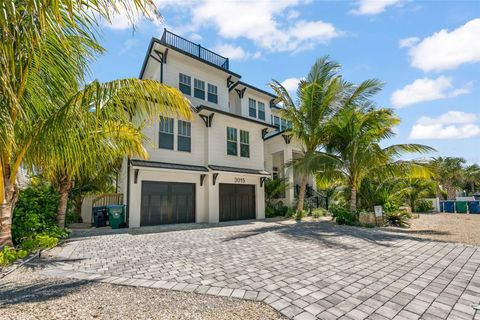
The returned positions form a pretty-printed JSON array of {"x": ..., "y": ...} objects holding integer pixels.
[{"x": 27, "y": 294}]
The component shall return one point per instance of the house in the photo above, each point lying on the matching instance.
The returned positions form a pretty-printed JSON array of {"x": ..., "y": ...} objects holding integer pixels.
[{"x": 213, "y": 168}]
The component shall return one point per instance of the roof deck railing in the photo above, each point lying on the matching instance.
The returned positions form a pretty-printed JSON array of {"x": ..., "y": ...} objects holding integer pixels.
[{"x": 194, "y": 49}]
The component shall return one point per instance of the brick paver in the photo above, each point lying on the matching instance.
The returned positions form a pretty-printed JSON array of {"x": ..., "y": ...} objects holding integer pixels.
[{"x": 304, "y": 270}]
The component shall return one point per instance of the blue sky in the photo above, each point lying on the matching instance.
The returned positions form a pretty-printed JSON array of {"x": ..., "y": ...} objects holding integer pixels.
[{"x": 426, "y": 52}]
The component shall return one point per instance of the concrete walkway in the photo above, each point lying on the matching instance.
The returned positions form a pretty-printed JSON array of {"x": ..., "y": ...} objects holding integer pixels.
[{"x": 304, "y": 270}]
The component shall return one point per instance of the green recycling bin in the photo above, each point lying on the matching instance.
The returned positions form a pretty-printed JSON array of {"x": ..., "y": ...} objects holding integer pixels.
[
  {"x": 116, "y": 216},
  {"x": 461, "y": 206}
]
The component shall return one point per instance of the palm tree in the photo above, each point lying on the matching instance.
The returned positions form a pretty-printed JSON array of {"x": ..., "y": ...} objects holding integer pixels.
[
  {"x": 45, "y": 50},
  {"x": 449, "y": 174},
  {"x": 104, "y": 134},
  {"x": 355, "y": 135},
  {"x": 472, "y": 176},
  {"x": 318, "y": 98}
]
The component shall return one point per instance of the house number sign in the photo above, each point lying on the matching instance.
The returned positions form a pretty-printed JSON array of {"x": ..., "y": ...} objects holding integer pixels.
[{"x": 239, "y": 180}]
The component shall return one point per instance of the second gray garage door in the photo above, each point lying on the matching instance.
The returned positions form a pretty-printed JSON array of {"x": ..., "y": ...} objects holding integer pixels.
[
  {"x": 237, "y": 202},
  {"x": 167, "y": 203}
]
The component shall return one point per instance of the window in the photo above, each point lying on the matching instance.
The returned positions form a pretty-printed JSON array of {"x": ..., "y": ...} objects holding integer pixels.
[
  {"x": 244, "y": 144},
  {"x": 212, "y": 93},
  {"x": 185, "y": 84},
  {"x": 199, "y": 89},
  {"x": 184, "y": 142},
  {"x": 231, "y": 141},
  {"x": 276, "y": 122},
  {"x": 252, "y": 108},
  {"x": 165, "y": 137},
  {"x": 283, "y": 125},
  {"x": 261, "y": 110}
]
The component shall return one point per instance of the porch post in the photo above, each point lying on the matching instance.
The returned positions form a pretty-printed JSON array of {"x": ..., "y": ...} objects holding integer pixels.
[{"x": 288, "y": 172}]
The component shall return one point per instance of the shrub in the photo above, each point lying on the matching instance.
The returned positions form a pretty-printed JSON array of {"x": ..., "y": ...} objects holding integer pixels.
[
  {"x": 290, "y": 212},
  {"x": 35, "y": 212},
  {"x": 9, "y": 255},
  {"x": 319, "y": 212},
  {"x": 423, "y": 206},
  {"x": 397, "y": 218},
  {"x": 277, "y": 210},
  {"x": 344, "y": 216}
]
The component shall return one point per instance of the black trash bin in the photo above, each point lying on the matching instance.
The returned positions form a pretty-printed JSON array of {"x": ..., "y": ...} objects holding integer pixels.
[{"x": 99, "y": 216}]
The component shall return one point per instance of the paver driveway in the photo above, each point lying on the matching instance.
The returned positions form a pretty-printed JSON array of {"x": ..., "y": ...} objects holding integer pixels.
[{"x": 304, "y": 270}]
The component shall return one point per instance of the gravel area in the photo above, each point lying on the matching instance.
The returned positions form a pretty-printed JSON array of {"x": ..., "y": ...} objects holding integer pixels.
[
  {"x": 26, "y": 294},
  {"x": 448, "y": 227}
]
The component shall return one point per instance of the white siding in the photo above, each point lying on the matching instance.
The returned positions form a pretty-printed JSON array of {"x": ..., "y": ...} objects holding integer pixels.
[{"x": 217, "y": 146}]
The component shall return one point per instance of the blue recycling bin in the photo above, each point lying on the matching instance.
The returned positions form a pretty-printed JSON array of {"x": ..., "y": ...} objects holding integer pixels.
[
  {"x": 474, "y": 206},
  {"x": 449, "y": 206},
  {"x": 442, "y": 209}
]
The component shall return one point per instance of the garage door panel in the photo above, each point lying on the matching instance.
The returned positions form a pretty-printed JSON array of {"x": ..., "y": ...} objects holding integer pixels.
[
  {"x": 237, "y": 202},
  {"x": 167, "y": 203}
]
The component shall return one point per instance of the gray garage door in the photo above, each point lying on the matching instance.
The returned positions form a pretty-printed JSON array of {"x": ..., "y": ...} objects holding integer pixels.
[
  {"x": 237, "y": 202},
  {"x": 167, "y": 203}
]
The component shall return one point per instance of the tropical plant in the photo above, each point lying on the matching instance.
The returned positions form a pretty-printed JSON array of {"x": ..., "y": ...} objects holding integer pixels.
[
  {"x": 399, "y": 218},
  {"x": 274, "y": 188},
  {"x": 45, "y": 50},
  {"x": 449, "y": 174},
  {"x": 318, "y": 97},
  {"x": 417, "y": 188},
  {"x": 472, "y": 177},
  {"x": 423, "y": 206},
  {"x": 343, "y": 215},
  {"x": 355, "y": 135}
]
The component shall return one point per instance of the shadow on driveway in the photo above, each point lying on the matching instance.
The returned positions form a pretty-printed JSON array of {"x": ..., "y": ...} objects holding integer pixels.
[
  {"x": 38, "y": 291},
  {"x": 327, "y": 234}
]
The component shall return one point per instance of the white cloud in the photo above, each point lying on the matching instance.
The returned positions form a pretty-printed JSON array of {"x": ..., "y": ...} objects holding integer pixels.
[
  {"x": 270, "y": 24},
  {"x": 372, "y": 7},
  {"x": 291, "y": 84},
  {"x": 127, "y": 45},
  {"x": 426, "y": 89},
  {"x": 408, "y": 42},
  {"x": 446, "y": 50},
  {"x": 235, "y": 52},
  {"x": 451, "y": 117},
  {"x": 450, "y": 125},
  {"x": 261, "y": 22}
]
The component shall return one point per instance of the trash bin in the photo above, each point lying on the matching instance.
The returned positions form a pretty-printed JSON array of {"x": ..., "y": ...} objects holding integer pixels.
[
  {"x": 99, "y": 216},
  {"x": 474, "y": 206},
  {"x": 449, "y": 206},
  {"x": 442, "y": 209},
  {"x": 116, "y": 216},
  {"x": 461, "y": 206}
]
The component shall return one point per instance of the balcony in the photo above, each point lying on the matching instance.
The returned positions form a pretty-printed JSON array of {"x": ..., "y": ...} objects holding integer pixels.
[{"x": 194, "y": 49}]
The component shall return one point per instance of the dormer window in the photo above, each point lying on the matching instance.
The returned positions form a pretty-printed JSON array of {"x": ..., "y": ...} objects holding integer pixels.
[
  {"x": 212, "y": 93},
  {"x": 185, "y": 84},
  {"x": 252, "y": 108},
  {"x": 261, "y": 110},
  {"x": 199, "y": 89}
]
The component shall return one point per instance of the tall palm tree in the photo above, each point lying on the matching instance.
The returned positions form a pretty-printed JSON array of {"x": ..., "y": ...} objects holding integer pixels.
[
  {"x": 355, "y": 135},
  {"x": 472, "y": 176},
  {"x": 104, "y": 132},
  {"x": 318, "y": 98},
  {"x": 45, "y": 49},
  {"x": 449, "y": 174}
]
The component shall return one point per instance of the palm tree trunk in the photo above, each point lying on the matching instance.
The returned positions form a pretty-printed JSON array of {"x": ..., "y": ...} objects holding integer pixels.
[
  {"x": 301, "y": 194},
  {"x": 451, "y": 192},
  {"x": 64, "y": 188},
  {"x": 353, "y": 199},
  {"x": 6, "y": 215}
]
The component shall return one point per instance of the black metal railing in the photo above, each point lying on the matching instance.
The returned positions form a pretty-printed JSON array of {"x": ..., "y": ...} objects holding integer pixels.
[
  {"x": 313, "y": 198},
  {"x": 194, "y": 49}
]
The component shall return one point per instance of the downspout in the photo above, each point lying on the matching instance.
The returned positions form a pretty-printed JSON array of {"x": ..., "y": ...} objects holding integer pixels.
[{"x": 128, "y": 192}]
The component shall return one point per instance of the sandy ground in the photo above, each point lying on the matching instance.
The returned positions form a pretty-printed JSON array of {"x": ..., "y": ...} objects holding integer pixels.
[{"x": 449, "y": 227}]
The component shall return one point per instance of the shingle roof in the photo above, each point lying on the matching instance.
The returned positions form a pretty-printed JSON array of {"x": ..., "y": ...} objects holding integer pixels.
[
  {"x": 239, "y": 170},
  {"x": 166, "y": 165}
]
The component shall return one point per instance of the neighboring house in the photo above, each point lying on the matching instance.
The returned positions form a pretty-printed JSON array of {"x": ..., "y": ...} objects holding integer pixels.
[{"x": 213, "y": 168}]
